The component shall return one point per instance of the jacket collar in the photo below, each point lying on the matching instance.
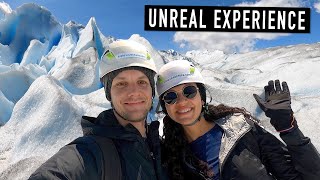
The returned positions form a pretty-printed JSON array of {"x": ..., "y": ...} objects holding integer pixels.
[
  {"x": 107, "y": 125},
  {"x": 234, "y": 126}
]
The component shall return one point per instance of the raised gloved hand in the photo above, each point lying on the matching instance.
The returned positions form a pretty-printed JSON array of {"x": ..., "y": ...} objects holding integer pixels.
[{"x": 277, "y": 106}]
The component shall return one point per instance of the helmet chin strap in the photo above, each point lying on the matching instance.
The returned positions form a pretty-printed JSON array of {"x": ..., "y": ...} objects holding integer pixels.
[
  {"x": 203, "y": 110},
  {"x": 195, "y": 121}
]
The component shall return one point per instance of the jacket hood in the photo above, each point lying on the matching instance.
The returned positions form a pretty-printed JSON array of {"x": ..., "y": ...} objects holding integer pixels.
[{"x": 107, "y": 125}]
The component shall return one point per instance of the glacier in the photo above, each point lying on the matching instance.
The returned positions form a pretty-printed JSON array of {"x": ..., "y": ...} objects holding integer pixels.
[{"x": 49, "y": 79}]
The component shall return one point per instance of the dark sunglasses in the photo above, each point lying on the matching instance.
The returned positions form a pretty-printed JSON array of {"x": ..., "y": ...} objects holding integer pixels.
[{"x": 172, "y": 96}]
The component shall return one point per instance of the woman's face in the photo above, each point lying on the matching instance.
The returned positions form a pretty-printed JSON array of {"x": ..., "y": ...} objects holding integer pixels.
[{"x": 185, "y": 110}]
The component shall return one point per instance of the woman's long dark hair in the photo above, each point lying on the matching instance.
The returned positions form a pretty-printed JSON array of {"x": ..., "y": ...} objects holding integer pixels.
[{"x": 175, "y": 144}]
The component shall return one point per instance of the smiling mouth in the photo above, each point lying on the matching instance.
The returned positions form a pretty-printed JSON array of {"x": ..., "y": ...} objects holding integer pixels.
[
  {"x": 184, "y": 111},
  {"x": 134, "y": 103}
]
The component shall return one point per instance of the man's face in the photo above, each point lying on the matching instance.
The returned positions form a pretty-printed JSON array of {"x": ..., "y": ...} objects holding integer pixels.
[{"x": 131, "y": 95}]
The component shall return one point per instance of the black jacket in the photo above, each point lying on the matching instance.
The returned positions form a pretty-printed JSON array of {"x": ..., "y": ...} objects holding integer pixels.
[
  {"x": 82, "y": 160},
  {"x": 248, "y": 152},
  {"x": 304, "y": 155}
]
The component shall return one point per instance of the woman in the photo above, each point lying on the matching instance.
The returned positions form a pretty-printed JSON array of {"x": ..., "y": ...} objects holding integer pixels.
[{"x": 202, "y": 141}]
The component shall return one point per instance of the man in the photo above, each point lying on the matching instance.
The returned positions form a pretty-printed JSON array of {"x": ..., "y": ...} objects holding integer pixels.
[{"x": 116, "y": 144}]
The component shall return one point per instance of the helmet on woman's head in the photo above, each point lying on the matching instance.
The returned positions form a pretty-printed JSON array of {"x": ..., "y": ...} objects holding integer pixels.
[
  {"x": 176, "y": 73},
  {"x": 125, "y": 54}
]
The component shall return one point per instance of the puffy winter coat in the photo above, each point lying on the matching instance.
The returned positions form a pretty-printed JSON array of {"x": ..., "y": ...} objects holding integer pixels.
[
  {"x": 248, "y": 152},
  {"x": 82, "y": 160}
]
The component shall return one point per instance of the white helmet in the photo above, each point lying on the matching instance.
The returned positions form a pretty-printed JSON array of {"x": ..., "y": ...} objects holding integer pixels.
[
  {"x": 125, "y": 53},
  {"x": 175, "y": 73}
]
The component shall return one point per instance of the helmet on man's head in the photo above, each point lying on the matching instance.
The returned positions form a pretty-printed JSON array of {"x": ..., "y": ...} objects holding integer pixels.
[
  {"x": 124, "y": 55},
  {"x": 176, "y": 73}
]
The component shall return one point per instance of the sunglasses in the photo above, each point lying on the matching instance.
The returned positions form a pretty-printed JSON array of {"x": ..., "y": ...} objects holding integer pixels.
[{"x": 172, "y": 96}]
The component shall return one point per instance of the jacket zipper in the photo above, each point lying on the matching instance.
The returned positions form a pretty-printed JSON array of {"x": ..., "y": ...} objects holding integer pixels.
[{"x": 146, "y": 149}]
